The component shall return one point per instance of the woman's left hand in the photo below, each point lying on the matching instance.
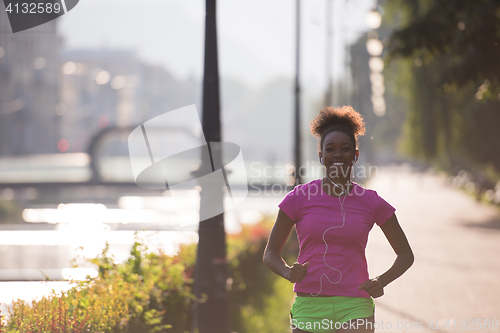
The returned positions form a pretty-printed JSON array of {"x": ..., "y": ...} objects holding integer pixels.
[{"x": 373, "y": 287}]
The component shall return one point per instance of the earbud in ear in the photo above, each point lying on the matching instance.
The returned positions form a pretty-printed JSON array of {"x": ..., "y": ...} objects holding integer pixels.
[
  {"x": 355, "y": 159},
  {"x": 322, "y": 160}
]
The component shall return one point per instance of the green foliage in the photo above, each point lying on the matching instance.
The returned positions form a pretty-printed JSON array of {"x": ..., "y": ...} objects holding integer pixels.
[
  {"x": 466, "y": 32},
  {"x": 98, "y": 306},
  {"x": 10, "y": 212},
  {"x": 2, "y": 324},
  {"x": 152, "y": 292},
  {"x": 260, "y": 299},
  {"x": 448, "y": 78},
  {"x": 148, "y": 293},
  {"x": 163, "y": 297}
]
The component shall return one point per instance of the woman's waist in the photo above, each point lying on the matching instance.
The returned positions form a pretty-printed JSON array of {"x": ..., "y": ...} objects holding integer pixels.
[
  {"x": 319, "y": 250},
  {"x": 312, "y": 295},
  {"x": 344, "y": 295},
  {"x": 320, "y": 263}
]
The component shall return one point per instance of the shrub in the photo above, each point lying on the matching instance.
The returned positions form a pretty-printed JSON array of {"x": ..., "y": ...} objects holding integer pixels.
[
  {"x": 259, "y": 298},
  {"x": 147, "y": 293},
  {"x": 100, "y": 306},
  {"x": 153, "y": 292}
]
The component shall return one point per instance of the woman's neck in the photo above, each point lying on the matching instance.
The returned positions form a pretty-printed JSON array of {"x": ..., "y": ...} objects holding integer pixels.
[{"x": 341, "y": 188}]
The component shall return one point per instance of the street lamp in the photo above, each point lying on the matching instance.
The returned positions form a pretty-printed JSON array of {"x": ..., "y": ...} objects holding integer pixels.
[
  {"x": 373, "y": 19},
  {"x": 375, "y": 48}
]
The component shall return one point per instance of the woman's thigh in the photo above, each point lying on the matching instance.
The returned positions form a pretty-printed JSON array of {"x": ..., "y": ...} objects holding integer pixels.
[
  {"x": 361, "y": 325},
  {"x": 307, "y": 312},
  {"x": 297, "y": 330}
]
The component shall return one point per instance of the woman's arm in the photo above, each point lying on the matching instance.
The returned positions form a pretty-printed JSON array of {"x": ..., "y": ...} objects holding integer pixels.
[
  {"x": 399, "y": 243},
  {"x": 272, "y": 254},
  {"x": 404, "y": 259}
]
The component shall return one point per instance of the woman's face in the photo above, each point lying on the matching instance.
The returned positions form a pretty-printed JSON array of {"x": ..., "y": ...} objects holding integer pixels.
[{"x": 338, "y": 154}]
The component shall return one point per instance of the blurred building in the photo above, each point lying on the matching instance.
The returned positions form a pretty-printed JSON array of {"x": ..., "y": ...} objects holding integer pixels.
[
  {"x": 29, "y": 66},
  {"x": 101, "y": 88},
  {"x": 52, "y": 100}
]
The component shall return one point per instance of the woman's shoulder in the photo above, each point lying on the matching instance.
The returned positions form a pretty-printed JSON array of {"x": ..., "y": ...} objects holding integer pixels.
[
  {"x": 294, "y": 199},
  {"x": 367, "y": 193},
  {"x": 311, "y": 188},
  {"x": 361, "y": 187},
  {"x": 363, "y": 191}
]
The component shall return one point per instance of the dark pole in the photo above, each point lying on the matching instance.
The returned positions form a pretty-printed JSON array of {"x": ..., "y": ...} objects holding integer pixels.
[
  {"x": 329, "y": 36},
  {"x": 298, "y": 157},
  {"x": 212, "y": 316}
]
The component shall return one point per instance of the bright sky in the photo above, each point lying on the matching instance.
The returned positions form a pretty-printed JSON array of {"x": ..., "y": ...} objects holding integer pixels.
[{"x": 256, "y": 38}]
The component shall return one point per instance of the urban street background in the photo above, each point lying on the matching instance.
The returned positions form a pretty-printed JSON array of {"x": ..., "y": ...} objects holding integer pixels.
[{"x": 424, "y": 75}]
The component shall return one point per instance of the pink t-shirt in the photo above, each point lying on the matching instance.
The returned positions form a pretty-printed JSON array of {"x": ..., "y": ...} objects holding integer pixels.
[{"x": 336, "y": 253}]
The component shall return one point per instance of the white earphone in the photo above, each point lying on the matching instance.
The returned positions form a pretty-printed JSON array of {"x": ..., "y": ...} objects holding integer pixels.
[{"x": 342, "y": 213}]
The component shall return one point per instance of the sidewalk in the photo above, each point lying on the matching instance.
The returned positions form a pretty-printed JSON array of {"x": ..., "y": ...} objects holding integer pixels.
[{"x": 456, "y": 242}]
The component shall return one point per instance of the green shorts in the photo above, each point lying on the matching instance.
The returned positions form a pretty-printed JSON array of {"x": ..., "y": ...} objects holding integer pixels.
[{"x": 326, "y": 314}]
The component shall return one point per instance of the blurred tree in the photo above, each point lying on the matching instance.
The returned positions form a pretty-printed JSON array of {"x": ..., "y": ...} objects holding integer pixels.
[
  {"x": 467, "y": 31},
  {"x": 450, "y": 48}
]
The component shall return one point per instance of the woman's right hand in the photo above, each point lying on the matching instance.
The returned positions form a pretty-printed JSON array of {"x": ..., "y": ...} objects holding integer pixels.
[{"x": 297, "y": 272}]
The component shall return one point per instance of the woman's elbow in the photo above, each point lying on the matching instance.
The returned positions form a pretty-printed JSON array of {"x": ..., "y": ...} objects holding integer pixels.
[
  {"x": 267, "y": 257},
  {"x": 410, "y": 258}
]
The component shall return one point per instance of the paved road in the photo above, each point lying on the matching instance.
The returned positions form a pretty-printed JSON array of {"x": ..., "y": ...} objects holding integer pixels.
[{"x": 456, "y": 241}]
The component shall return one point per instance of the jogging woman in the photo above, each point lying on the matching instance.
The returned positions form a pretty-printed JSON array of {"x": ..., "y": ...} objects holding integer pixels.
[{"x": 332, "y": 217}]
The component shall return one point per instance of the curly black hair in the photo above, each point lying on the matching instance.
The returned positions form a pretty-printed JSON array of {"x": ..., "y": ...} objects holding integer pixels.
[{"x": 342, "y": 118}]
